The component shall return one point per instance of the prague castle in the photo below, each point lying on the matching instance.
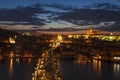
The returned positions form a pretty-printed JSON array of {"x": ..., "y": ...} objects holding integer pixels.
[{"x": 92, "y": 33}]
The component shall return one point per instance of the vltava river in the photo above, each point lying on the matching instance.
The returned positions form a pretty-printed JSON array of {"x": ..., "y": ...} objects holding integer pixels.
[
  {"x": 17, "y": 69},
  {"x": 89, "y": 70},
  {"x": 22, "y": 69}
]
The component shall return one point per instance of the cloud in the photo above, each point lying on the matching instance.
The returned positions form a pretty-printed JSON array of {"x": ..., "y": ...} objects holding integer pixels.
[
  {"x": 60, "y": 6},
  {"x": 103, "y": 12},
  {"x": 26, "y": 14},
  {"x": 39, "y": 17},
  {"x": 89, "y": 16},
  {"x": 103, "y": 6},
  {"x": 115, "y": 27}
]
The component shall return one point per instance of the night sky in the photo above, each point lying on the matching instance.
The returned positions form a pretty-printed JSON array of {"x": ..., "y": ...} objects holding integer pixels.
[
  {"x": 15, "y": 3},
  {"x": 54, "y": 14}
]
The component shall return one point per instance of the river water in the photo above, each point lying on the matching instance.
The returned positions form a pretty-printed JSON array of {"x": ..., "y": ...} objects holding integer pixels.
[
  {"x": 89, "y": 70},
  {"x": 16, "y": 69}
]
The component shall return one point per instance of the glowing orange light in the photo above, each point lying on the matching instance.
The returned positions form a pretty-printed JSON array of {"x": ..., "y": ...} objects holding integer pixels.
[{"x": 11, "y": 67}]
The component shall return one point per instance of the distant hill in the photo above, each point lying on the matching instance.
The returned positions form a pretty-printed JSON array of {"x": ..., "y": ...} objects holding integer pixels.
[
  {"x": 7, "y": 33},
  {"x": 23, "y": 43}
]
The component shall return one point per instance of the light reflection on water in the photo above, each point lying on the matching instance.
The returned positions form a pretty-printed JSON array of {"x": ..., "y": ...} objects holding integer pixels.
[
  {"x": 86, "y": 69},
  {"x": 17, "y": 60},
  {"x": 116, "y": 69},
  {"x": 97, "y": 66},
  {"x": 17, "y": 68},
  {"x": 29, "y": 60},
  {"x": 11, "y": 67},
  {"x": 80, "y": 69}
]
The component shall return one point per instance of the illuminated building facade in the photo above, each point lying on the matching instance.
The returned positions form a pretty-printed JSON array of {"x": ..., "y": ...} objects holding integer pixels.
[
  {"x": 96, "y": 34},
  {"x": 26, "y": 33}
]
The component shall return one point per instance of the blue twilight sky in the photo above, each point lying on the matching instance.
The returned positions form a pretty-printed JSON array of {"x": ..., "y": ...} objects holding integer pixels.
[
  {"x": 50, "y": 16},
  {"x": 79, "y": 3}
]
